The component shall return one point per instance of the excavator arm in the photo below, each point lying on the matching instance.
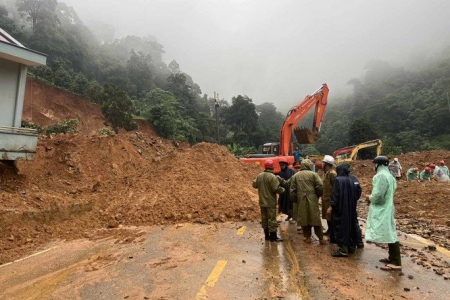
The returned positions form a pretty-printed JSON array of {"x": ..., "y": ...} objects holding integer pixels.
[
  {"x": 350, "y": 153},
  {"x": 304, "y": 135}
]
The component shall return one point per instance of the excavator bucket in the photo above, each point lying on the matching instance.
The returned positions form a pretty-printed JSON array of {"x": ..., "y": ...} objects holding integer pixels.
[{"x": 305, "y": 135}]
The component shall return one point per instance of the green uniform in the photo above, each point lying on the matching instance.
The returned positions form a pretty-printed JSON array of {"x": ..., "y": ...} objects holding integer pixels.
[
  {"x": 328, "y": 181},
  {"x": 309, "y": 188},
  {"x": 268, "y": 186},
  {"x": 412, "y": 174},
  {"x": 425, "y": 175}
]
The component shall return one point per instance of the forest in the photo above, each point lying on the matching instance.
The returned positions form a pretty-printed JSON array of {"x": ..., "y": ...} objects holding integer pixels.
[{"x": 409, "y": 109}]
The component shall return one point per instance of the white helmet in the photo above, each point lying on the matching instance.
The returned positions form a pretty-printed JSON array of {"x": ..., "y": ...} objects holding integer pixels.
[{"x": 328, "y": 159}]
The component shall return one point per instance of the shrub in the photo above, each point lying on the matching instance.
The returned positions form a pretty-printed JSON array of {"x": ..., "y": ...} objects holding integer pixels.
[
  {"x": 105, "y": 131},
  {"x": 66, "y": 126},
  {"x": 26, "y": 124}
]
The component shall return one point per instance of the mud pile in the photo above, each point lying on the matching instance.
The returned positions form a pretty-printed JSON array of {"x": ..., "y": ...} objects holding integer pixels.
[
  {"x": 79, "y": 183},
  {"x": 422, "y": 207}
]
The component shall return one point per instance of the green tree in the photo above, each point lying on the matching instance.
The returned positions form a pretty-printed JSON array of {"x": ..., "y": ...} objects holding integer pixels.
[
  {"x": 36, "y": 11},
  {"x": 361, "y": 130},
  {"x": 139, "y": 73},
  {"x": 163, "y": 110},
  {"x": 117, "y": 107},
  {"x": 241, "y": 115}
]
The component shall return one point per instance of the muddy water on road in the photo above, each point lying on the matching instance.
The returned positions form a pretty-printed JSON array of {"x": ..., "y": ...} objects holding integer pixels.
[{"x": 218, "y": 261}]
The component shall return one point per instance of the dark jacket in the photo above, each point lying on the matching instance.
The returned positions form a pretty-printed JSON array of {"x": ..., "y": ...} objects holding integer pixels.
[{"x": 345, "y": 195}]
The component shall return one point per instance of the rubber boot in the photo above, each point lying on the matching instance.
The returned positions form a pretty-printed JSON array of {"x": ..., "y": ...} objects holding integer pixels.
[
  {"x": 274, "y": 237},
  {"x": 266, "y": 234}
]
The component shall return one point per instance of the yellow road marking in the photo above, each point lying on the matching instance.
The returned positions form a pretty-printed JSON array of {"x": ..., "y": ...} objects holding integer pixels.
[
  {"x": 212, "y": 279},
  {"x": 241, "y": 230},
  {"x": 427, "y": 242}
]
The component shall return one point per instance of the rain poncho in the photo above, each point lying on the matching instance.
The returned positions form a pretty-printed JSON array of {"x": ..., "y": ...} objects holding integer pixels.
[
  {"x": 445, "y": 169},
  {"x": 395, "y": 168},
  {"x": 268, "y": 187},
  {"x": 412, "y": 174},
  {"x": 328, "y": 181},
  {"x": 381, "y": 227},
  {"x": 283, "y": 201},
  {"x": 309, "y": 188},
  {"x": 345, "y": 196},
  {"x": 439, "y": 174},
  {"x": 424, "y": 175}
]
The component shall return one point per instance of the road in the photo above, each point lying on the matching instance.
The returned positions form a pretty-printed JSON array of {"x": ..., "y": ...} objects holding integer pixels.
[{"x": 217, "y": 261}]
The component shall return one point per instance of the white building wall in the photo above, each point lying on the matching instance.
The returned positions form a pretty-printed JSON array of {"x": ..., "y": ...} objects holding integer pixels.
[{"x": 9, "y": 79}]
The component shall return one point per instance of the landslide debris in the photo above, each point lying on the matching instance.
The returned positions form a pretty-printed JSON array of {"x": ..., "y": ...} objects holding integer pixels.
[{"x": 79, "y": 183}]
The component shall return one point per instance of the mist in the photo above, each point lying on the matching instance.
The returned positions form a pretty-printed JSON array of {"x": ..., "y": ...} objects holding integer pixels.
[{"x": 278, "y": 51}]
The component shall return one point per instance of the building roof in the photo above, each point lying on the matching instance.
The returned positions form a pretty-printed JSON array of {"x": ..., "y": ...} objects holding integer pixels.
[{"x": 13, "y": 50}]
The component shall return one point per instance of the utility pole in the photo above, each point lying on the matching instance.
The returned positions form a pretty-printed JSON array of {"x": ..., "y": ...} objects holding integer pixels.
[{"x": 216, "y": 106}]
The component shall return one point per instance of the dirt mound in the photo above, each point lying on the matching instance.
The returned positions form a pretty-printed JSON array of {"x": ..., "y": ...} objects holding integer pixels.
[
  {"x": 421, "y": 207},
  {"x": 79, "y": 183}
]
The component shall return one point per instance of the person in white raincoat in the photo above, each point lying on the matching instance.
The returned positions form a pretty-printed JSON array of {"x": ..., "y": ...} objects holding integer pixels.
[{"x": 381, "y": 227}]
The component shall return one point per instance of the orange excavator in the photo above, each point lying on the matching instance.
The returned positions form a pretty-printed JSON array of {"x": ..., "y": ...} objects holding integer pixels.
[{"x": 284, "y": 148}]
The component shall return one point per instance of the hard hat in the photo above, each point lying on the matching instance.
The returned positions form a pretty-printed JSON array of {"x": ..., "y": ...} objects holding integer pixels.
[
  {"x": 427, "y": 169},
  {"x": 432, "y": 166},
  {"x": 268, "y": 164},
  {"x": 296, "y": 164},
  {"x": 416, "y": 169},
  {"x": 396, "y": 159},
  {"x": 329, "y": 160},
  {"x": 442, "y": 162},
  {"x": 283, "y": 160},
  {"x": 381, "y": 160}
]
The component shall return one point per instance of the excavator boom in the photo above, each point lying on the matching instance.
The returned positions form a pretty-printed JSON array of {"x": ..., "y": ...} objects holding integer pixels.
[{"x": 304, "y": 135}]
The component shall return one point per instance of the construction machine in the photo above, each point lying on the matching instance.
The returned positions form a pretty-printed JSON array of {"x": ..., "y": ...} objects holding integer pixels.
[
  {"x": 285, "y": 147},
  {"x": 350, "y": 153}
]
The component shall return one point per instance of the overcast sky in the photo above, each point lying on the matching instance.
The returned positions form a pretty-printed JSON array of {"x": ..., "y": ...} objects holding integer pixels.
[{"x": 278, "y": 51}]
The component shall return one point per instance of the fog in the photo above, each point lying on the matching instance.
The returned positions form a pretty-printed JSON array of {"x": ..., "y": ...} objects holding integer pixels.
[{"x": 278, "y": 51}]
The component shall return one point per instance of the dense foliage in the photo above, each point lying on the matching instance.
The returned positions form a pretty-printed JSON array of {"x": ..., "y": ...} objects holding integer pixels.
[{"x": 408, "y": 110}]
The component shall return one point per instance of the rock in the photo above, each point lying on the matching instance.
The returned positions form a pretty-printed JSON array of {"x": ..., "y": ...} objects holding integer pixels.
[
  {"x": 410, "y": 277},
  {"x": 432, "y": 247},
  {"x": 244, "y": 262},
  {"x": 406, "y": 289},
  {"x": 113, "y": 223}
]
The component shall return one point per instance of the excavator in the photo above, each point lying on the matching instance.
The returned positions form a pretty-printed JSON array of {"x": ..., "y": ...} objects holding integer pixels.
[
  {"x": 284, "y": 148},
  {"x": 348, "y": 153}
]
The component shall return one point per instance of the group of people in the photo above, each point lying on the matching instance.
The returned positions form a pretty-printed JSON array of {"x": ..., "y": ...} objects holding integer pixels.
[
  {"x": 300, "y": 190},
  {"x": 432, "y": 171}
]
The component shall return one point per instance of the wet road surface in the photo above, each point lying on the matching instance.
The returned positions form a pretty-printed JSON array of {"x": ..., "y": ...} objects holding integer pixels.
[{"x": 218, "y": 261}]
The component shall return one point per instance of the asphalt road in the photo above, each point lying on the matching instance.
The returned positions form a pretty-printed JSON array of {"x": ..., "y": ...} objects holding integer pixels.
[{"x": 218, "y": 261}]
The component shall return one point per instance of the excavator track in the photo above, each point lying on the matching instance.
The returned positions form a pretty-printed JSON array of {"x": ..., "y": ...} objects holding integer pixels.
[{"x": 305, "y": 135}]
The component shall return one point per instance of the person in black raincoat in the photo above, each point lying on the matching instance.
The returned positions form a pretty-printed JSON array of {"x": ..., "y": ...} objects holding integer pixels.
[
  {"x": 344, "y": 198},
  {"x": 284, "y": 202},
  {"x": 359, "y": 240}
]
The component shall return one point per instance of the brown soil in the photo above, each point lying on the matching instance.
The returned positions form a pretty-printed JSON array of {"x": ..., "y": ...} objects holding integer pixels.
[
  {"x": 81, "y": 182},
  {"x": 421, "y": 207}
]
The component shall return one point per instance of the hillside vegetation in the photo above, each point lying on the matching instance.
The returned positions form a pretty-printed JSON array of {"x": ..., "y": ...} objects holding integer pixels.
[{"x": 409, "y": 110}]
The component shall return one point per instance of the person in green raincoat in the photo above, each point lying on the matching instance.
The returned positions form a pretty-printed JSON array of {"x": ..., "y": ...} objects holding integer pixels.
[
  {"x": 268, "y": 186},
  {"x": 381, "y": 227},
  {"x": 309, "y": 187},
  {"x": 412, "y": 174},
  {"x": 444, "y": 167},
  {"x": 425, "y": 174}
]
